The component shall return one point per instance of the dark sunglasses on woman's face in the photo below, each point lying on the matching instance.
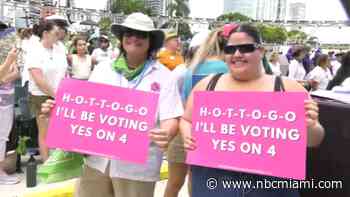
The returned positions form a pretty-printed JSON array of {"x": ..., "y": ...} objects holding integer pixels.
[
  {"x": 243, "y": 48},
  {"x": 136, "y": 33}
]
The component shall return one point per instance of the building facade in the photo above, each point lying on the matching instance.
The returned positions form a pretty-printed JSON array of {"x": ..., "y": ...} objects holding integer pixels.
[
  {"x": 297, "y": 11},
  {"x": 245, "y": 7},
  {"x": 271, "y": 10},
  {"x": 157, "y": 6},
  {"x": 258, "y": 9}
]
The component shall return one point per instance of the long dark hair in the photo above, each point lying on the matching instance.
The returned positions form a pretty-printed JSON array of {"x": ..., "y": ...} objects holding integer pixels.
[
  {"x": 45, "y": 26},
  {"x": 254, "y": 33},
  {"x": 342, "y": 73}
]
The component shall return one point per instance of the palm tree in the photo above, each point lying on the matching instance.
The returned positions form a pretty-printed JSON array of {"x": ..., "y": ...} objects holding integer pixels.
[
  {"x": 129, "y": 6},
  {"x": 179, "y": 8}
]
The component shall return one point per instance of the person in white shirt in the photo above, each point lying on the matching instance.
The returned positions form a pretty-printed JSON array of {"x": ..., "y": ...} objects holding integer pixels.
[
  {"x": 104, "y": 52},
  {"x": 297, "y": 71},
  {"x": 29, "y": 47},
  {"x": 47, "y": 66},
  {"x": 274, "y": 63},
  {"x": 62, "y": 23},
  {"x": 81, "y": 63},
  {"x": 346, "y": 82},
  {"x": 336, "y": 63},
  {"x": 321, "y": 73},
  {"x": 135, "y": 68},
  {"x": 343, "y": 74}
]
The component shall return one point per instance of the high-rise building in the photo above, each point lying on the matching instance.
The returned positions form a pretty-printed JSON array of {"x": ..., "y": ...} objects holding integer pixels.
[
  {"x": 266, "y": 9},
  {"x": 297, "y": 11},
  {"x": 165, "y": 7},
  {"x": 271, "y": 10},
  {"x": 245, "y": 7},
  {"x": 258, "y": 9},
  {"x": 155, "y": 5},
  {"x": 47, "y": 2},
  {"x": 281, "y": 10}
]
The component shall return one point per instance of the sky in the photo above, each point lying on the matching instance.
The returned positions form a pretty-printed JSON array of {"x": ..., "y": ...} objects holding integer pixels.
[
  {"x": 91, "y": 4},
  {"x": 315, "y": 9},
  {"x": 325, "y": 10}
]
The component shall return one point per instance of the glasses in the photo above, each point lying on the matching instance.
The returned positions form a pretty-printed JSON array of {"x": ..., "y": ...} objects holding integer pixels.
[
  {"x": 136, "y": 33},
  {"x": 243, "y": 48}
]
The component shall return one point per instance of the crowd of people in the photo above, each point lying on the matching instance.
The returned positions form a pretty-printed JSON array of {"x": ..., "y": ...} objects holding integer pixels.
[{"x": 146, "y": 55}]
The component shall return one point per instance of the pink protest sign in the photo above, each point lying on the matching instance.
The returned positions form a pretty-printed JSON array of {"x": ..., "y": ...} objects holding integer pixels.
[
  {"x": 102, "y": 120},
  {"x": 262, "y": 133}
]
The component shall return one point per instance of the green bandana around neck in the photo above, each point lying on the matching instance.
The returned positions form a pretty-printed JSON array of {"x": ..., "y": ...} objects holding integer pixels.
[{"x": 121, "y": 66}]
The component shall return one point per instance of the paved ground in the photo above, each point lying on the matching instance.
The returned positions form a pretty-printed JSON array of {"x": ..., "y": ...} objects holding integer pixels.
[{"x": 20, "y": 189}]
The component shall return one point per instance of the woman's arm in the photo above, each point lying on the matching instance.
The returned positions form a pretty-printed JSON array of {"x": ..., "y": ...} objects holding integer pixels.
[
  {"x": 315, "y": 131},
  {"x": 186, "y": 119},
  {"x": 69, "y": 59},
  {"x": 13, "y": 75},
  {"x": 6, "y": 66},
  {"x": 170, "y": 125},
  {"x": 40, "y": 81},
  {"x": 93, "y": 61}
]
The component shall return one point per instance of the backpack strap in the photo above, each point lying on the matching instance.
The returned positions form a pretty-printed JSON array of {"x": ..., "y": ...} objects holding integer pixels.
[{"x": 213, "y": 81}]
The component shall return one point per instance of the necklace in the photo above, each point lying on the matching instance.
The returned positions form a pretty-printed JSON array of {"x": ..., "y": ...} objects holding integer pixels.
[{"x": 50, "y": 53}]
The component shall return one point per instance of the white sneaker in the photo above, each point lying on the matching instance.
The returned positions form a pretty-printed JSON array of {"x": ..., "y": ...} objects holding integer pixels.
[{"x": 9, "y": 180}]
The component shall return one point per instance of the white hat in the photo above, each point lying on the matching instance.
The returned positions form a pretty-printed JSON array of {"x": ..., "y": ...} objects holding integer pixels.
[
  {"x": 199, "y": 38},
  {"x": 60, "y": 20},
  {"x": 140, "y": 22}
]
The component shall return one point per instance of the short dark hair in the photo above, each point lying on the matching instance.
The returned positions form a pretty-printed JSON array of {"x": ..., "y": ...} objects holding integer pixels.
[
  {"x": 297, "y": 51},
  {"x": 45, "y": 26}
]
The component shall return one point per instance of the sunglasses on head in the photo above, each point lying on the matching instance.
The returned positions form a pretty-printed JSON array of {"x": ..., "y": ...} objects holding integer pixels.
[
  {"x": 136, "y": 33},
  {"x": 243, "y": 48}
]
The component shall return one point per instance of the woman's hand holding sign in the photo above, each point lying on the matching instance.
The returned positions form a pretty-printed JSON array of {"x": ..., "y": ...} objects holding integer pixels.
[
  {"x": 314, "y": 128},
  {"x": 46, "y": 108},
  {"x": 311, "y": 112},
  {"x": 160, "y": 137},
  {"x": 185, "y": 128}
]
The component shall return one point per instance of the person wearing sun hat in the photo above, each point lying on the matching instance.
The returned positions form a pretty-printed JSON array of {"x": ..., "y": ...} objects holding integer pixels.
[
  {"x": 103, "y": 52},
  {"x": 134, "y": 68},
  {"x": 170, "y": 55},
  {"x": 62, "y": 23}
]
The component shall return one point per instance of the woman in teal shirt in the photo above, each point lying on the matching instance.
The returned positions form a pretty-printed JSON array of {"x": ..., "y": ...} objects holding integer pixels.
[{"x": 207, "y": 60}]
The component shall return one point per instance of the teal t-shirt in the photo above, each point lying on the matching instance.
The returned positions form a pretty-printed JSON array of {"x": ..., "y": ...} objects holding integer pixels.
[{"x": 202, "y": 70}]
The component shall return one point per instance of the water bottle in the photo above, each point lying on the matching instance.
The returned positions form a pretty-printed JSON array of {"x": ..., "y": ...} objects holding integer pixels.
[{"x": 31, "y": 172}]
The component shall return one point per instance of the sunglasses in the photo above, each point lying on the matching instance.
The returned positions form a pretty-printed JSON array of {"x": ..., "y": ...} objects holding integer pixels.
[
  {"x": 243, "y": 48},
  {"x": 136, "y": 33}
]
